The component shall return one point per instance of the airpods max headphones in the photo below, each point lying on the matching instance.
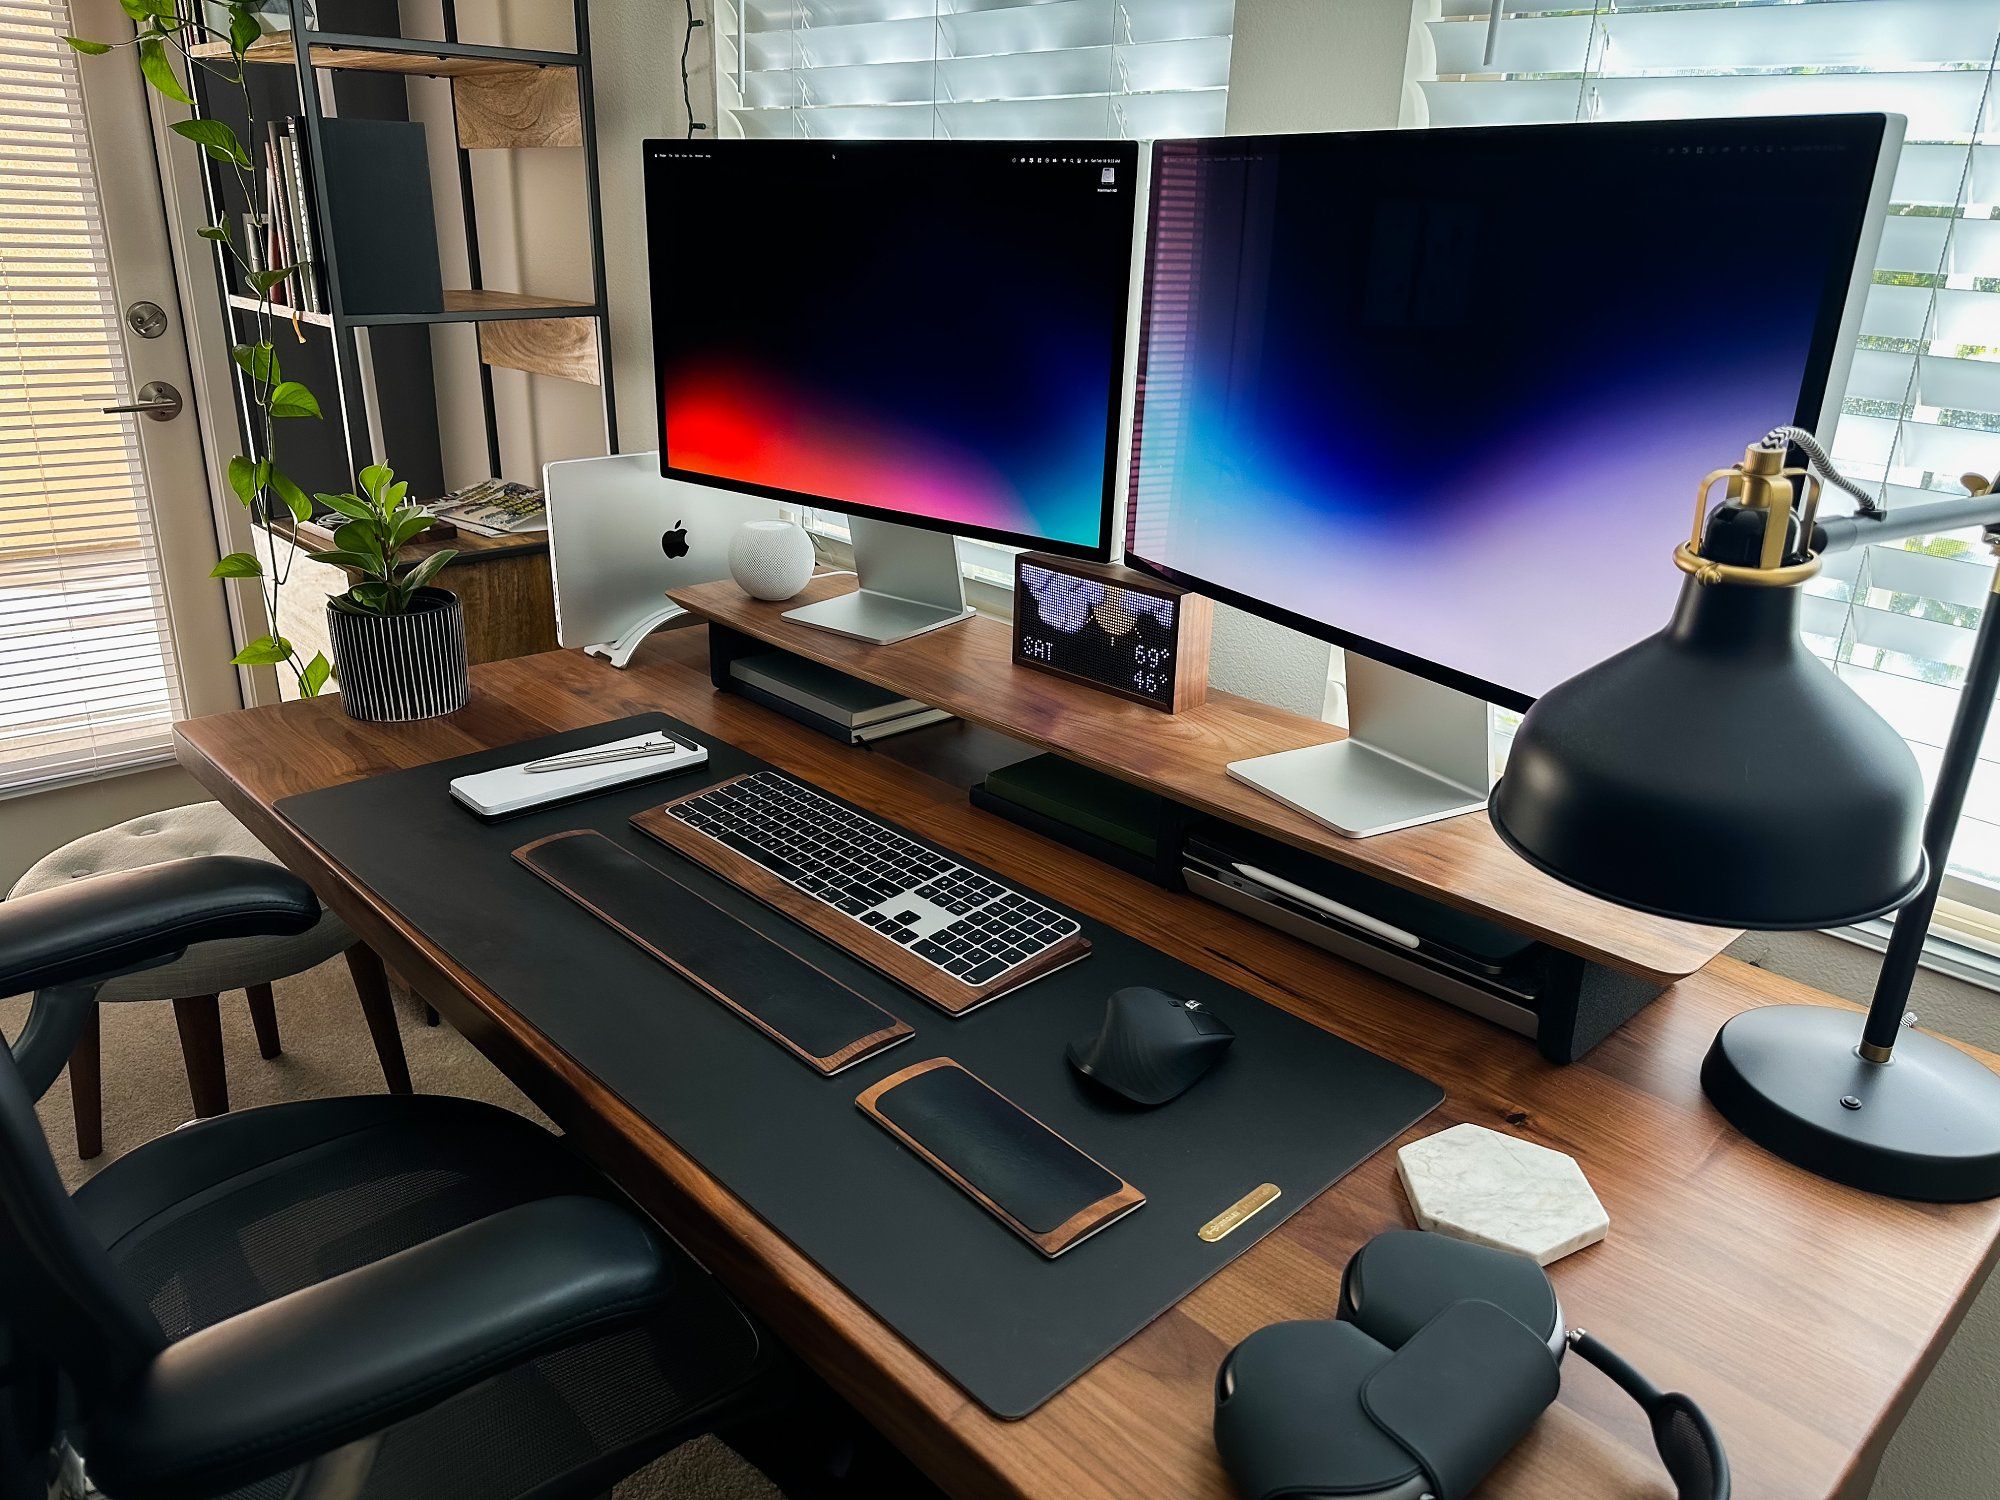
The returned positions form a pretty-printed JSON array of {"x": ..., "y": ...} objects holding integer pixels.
[{"x": 1444, "y": 1355}]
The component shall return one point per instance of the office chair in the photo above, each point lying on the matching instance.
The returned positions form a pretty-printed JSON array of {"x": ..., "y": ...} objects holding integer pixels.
[{"x": 340, "y": 1298}]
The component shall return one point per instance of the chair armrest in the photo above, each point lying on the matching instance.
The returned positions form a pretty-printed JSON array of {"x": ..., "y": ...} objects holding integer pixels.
[
  {"x": 111, "y": 924},
  {"x": 306, "y": 1373}
]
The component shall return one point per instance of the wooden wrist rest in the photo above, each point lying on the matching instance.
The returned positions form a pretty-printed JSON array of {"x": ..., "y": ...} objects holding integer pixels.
[
  {"x": 1010, "y": 1163},
  {"x": 803, "y": 1009}
]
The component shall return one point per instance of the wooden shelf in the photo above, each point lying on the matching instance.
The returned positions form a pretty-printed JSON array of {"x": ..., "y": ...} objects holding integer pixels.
[
  {"x": 395, "y": 55},
  {"x": 460, "y": 306},
  {"x": 967, "y": 669}
]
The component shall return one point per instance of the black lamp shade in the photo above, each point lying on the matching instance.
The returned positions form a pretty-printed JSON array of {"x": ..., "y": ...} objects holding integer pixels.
[{"x": 1716, "y": 772}]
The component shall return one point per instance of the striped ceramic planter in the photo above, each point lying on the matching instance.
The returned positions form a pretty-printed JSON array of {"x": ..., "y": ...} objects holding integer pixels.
[{"x": 397, "y": 667}]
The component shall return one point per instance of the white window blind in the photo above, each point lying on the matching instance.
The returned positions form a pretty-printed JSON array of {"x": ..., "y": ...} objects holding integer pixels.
[
  {"x": 87, "y": 676},
  {"x": 1006, "y": 69},
  {"x": 1922, "y": 403}
]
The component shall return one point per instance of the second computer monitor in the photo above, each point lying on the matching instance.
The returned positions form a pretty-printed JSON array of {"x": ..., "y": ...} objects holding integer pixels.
[{"x": 1445, "y": 395}]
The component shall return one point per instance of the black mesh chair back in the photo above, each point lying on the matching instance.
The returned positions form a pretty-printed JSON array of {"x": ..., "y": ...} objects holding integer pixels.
[{"x": 59, "y": 1292}]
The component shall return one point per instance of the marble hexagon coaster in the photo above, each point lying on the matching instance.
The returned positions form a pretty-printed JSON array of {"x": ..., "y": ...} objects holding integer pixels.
[{"x": 1477, "y": 1184}]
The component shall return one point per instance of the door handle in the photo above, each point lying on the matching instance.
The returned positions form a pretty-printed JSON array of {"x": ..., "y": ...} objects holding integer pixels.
[{"x": 157, "y": 400}]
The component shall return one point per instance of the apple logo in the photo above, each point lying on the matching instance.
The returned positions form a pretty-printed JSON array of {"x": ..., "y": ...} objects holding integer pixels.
[{"x": 675, "y": 543}]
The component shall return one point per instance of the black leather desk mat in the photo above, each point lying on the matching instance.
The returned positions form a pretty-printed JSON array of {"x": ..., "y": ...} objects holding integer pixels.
[{"x": 1290, "y": 1104}]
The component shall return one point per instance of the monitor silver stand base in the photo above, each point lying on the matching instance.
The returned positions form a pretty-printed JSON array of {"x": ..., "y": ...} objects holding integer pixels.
[
  {"x": 907, "y": 583},
  {"x": 1415, "y": 753}
]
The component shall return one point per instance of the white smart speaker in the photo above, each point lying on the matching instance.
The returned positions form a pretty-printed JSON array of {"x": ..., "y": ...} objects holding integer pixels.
[{"x": 770, "y": 559}]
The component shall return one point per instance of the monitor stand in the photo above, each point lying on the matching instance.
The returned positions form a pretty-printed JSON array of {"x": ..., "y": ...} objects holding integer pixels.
[
  {"x": 1415, "y": 753},
  {"x": 907, "y": 583}
]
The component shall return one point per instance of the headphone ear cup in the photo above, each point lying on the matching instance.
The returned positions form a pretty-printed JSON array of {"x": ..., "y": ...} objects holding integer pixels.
[{"x": 1399, "y": 1281}]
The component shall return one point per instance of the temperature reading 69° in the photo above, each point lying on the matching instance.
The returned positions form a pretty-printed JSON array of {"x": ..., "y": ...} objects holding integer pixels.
[{"x": 1151, "y": 657}]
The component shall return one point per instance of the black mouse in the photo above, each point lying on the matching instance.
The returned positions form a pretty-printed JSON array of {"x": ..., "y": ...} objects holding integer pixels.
[{"x": 1152, "y": 1045}]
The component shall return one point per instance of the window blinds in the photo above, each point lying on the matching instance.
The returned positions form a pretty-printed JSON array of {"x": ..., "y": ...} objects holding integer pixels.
[
  {"x": 87, "y": 676},
  {"x": 1008, "y": 69},
  {"x": 1922, "y": 404}
]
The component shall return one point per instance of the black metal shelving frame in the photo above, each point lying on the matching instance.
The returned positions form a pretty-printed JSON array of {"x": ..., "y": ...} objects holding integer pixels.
[{"x": 342, "y": 326}]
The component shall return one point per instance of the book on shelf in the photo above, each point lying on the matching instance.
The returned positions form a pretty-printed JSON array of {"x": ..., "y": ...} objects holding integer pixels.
[
  {"x": 290, "y": 237},
  {"x": 494, "y": 507},
  {"x": 845, "y": 703}
]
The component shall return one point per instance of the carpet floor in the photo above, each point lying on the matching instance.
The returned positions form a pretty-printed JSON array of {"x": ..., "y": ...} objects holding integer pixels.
[{"x": 326, "y": 1052}]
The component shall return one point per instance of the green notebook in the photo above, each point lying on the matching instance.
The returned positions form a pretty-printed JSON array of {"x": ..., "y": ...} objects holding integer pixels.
[{"x": 1081, "y": 798}]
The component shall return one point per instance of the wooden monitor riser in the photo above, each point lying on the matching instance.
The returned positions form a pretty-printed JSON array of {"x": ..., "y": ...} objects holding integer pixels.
[{"x": 968, "y": 670}]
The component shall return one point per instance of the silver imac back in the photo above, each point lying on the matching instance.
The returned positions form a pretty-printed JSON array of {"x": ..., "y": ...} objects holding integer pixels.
[{"x": 620, "y": 536}]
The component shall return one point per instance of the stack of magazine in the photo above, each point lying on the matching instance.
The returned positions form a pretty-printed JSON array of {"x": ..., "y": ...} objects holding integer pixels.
[
  {"x": 494, "y": 507},
  {"x": 848, "y": 709}
]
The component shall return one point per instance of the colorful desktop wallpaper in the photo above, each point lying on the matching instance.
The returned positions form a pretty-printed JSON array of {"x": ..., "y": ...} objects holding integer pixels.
[
  {"x": 1466, "y": 420},
  {"x": 926, "y": 331}
]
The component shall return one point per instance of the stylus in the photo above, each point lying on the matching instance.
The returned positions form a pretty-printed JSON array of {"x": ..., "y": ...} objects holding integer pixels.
[
  {"x": 1331, "y": 907},
  {"x": 601, "y": 757}
]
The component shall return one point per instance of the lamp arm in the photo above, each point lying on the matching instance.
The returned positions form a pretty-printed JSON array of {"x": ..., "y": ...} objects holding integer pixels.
[
  {"x": 1838, "y": 533},
  {"x": 1955, "y": 768}
]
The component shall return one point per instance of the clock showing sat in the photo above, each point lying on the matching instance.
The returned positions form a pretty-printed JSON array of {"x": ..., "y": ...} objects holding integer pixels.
[{"x": 1111, "y": 629}]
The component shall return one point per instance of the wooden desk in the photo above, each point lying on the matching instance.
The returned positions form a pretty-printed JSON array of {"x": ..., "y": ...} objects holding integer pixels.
[{"x": 1802, "y": 1315}]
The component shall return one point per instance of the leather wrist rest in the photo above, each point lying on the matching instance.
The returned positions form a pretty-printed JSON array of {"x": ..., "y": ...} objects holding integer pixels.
[
  {"x": 1014, "y": 1166},
  {"x": 805, "y": 1010}
]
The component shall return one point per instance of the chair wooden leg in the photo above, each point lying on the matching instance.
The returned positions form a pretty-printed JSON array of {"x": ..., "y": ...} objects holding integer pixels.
[
  {"x": 199, "y": 1020},
  {"x": 264, "y": 1019},
  {"x": 86, "y": 1089},
  {"x": 371, "y": 983}
]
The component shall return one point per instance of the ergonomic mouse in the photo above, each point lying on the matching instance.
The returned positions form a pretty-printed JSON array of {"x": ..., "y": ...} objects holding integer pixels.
[{"x": 1151, "y": 1046}]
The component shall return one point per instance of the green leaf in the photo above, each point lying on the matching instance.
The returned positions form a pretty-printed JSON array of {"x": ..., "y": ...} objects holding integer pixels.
[
  {"x": 424, "y": 571},
  {"x": 160, "y": 73},
  {"x": 405, "y": 524},
  {"x": 294, "y": 497},
  {"x": 219, "y": 141},
  {"x": 247, "y": 478},
  {"x": 364, "y": 538},
  {"x": 258, "y": 361},
  {"x": 263, "y": 281},
  {"x": 371, "y": 598},
  {"x": 243, "y": 30},
  {"x": 315, "y": 675},
  {"x": 215, "y": 232},
  {"x": 290, "y": 399},
  {"x": 265, "y": 651},
  {"x": 88, "y": 49},
  {"x": 374, "y": 479},
  {"x": 340, "y": 558},
  {"x": 238, "y": 565},
  {"x": 351, "y": 506},
  {"x": 138, "y": 10}
]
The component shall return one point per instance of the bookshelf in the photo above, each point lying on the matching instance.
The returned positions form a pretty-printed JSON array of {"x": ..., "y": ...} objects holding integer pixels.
[{"x": 369, "y": 367}]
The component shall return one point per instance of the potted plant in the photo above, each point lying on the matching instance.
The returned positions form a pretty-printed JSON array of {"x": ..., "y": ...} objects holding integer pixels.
[{"x": 398, "y": 643}]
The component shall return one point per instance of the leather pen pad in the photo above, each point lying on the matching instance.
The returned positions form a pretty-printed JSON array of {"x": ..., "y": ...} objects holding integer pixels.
[
  {"x": 810, "y": 1013},
  {"x": 1014, "y": 1166}
]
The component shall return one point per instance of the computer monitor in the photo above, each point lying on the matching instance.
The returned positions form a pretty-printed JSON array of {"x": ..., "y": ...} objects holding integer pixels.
[
  {"x": 923, "y": 334},
  {"x": 1443, "y": 396}
]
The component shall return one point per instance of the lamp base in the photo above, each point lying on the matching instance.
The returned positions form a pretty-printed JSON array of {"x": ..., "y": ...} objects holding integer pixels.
[{"x": 1924, "y": 1125}]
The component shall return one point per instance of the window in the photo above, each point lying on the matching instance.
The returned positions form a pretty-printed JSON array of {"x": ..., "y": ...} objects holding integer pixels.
[
  {"x": 1015, "y": 69},
  {"x": 1922, "y": 405},
  {"x": 87, "y": 676}
]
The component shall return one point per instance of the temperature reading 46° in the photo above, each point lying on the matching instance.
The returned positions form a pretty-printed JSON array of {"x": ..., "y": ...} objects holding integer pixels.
[{"x": 1153, "y": 684}]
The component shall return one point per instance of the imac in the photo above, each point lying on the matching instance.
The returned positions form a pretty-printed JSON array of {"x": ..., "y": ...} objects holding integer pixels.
[
  {"x": 927, "y": 335},
  {"x": 1428, "y": 395}
]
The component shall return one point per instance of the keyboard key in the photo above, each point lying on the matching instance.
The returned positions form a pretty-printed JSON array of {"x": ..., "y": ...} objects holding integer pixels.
[
  {"x": 925, "y": 948},
  {"x": 992, "y": 968}
]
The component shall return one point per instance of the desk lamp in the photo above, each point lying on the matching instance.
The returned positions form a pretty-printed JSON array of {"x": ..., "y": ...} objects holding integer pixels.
[{"x": 1717, "y": 772}]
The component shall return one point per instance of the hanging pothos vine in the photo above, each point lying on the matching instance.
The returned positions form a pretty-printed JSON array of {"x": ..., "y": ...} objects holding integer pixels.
[{"x": 276, "y": 504}]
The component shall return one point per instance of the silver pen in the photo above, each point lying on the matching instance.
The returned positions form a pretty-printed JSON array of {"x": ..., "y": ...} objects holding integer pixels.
[{"x": 604, "y": 756}]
